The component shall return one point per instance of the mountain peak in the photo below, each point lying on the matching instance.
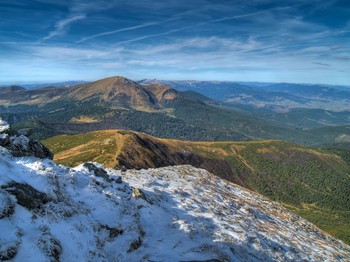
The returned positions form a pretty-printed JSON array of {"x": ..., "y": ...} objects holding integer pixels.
[
  {"x": 122, "y": 79},
  {"x": 115, "y": 80},
  {"x": 117, "y": 89}
]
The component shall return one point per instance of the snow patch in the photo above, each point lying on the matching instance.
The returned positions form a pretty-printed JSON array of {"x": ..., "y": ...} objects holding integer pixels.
[
  {"x": 167, "y": 214},
  {"x": 4, "y": 126}
]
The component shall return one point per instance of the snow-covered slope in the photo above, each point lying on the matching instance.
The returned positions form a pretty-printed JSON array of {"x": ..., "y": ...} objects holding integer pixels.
[{"x": 50, "y": 213}]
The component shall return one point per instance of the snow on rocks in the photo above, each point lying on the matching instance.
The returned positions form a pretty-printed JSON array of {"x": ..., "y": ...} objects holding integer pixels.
[
  {"x": 178, "y": 213},
  {"x": 200, "y": 215},
  {"x": 4, "y": 126},
  {"x": 20, "y": 145}
]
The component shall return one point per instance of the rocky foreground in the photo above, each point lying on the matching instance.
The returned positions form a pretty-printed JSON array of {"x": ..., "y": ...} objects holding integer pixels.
[{"x": 55, "y": 213}]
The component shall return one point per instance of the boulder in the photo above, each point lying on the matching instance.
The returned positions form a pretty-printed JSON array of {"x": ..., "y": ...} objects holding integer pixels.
[
  {"x": 99, "y": 172},
  {"x": 138, "y": 193}
]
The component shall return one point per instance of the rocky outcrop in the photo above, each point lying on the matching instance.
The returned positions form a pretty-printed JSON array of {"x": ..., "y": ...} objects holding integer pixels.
[
  {"x": 49, "y": 245},
  {"x": 9, "y": 251},
  {"x": 26, "y": 195},
  {"x": 7, "y": 205},
  {"x": 100, "y": 172},
  {"x": 20, "y": 145}
]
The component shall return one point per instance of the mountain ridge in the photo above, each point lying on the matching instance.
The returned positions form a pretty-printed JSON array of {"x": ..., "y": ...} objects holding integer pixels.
[
  {"x": 120, "y": 103},
  {"x": 274, "y": 96},
  {"x": 302, "y": 178},
  {"x": 85, "y": 212}
]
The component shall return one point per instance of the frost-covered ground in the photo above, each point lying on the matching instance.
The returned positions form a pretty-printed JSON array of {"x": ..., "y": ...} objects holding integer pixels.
[
  {"x": 50, "y": 212},
  {"x": 3, "y": 125}
]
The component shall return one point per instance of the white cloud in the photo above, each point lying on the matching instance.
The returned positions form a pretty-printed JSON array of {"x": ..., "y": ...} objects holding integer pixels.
[
  {"x": 115, "y": 31},
  {"x": 61, "y": 26},
  {"x": 71, "y": 54}
]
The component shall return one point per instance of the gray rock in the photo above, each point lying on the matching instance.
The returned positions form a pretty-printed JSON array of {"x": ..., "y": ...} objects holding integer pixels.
[
  {"x": 23, "y": 146},
  {"x": 49, "y": 245},
  {"x": 7, "y": 207},
  {"x": 138, "y": 193},
  {"x": 99, "y": 172},
  {"x": 9, "y": 251},
  {"x": 26, "y": 195}
]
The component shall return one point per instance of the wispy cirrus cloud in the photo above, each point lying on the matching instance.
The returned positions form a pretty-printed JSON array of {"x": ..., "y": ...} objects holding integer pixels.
[
  {"x": 169, "y": 32},
  {"x": 116, "y": 31},
  {"x": 61, "y": 26},
  {"x": 321, "y": 64},
  {"x": 69, "y": 54},
  {"x": 139, "y": 26},
  {"x": 79, "y": 10},
  {"x": 292, "y": 40}
]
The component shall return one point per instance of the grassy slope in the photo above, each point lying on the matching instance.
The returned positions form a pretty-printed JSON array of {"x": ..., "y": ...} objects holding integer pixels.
[{"x": 313, "y": 183}]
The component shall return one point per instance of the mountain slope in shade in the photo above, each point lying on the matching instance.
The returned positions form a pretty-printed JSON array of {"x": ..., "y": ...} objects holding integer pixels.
[{"x": 51, "y": 212}]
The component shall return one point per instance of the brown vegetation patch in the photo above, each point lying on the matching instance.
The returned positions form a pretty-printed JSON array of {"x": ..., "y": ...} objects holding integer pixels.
[{"x": 83, "y": 119}]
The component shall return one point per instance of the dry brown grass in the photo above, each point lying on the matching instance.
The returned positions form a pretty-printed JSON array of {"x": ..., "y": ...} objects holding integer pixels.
[{"x": 83, "y": 119}]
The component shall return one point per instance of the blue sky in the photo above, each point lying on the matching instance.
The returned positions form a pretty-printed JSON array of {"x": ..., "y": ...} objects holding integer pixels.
[{"x": 257, "y": 40}]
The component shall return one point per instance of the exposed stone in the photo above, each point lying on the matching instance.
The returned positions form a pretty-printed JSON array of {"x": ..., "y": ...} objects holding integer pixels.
[
  {"x": 138, "y": 193},
  {"x": 26, "y": 195},
  {"x": 123, "y": 168},
  {"x": 23, "y": 146},
  {"x": 7, "y": 207},
  {"x": 118, "y": 180},
  {"x": 99, "y": 172},
  {"x": 49, "y": 245},
  {"x": 113, "y": 232},
  {"x": 8, "y": 252},
  {"x": 135, "y": 245}
]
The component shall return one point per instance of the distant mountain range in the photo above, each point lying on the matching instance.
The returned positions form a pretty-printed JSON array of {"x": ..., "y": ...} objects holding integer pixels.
[
  {"x": 296, "y": 105},
  {"x": 162, "y": 111},
  {"x": 32, "y": 86},
  {"x": 280, "y": 97}
]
